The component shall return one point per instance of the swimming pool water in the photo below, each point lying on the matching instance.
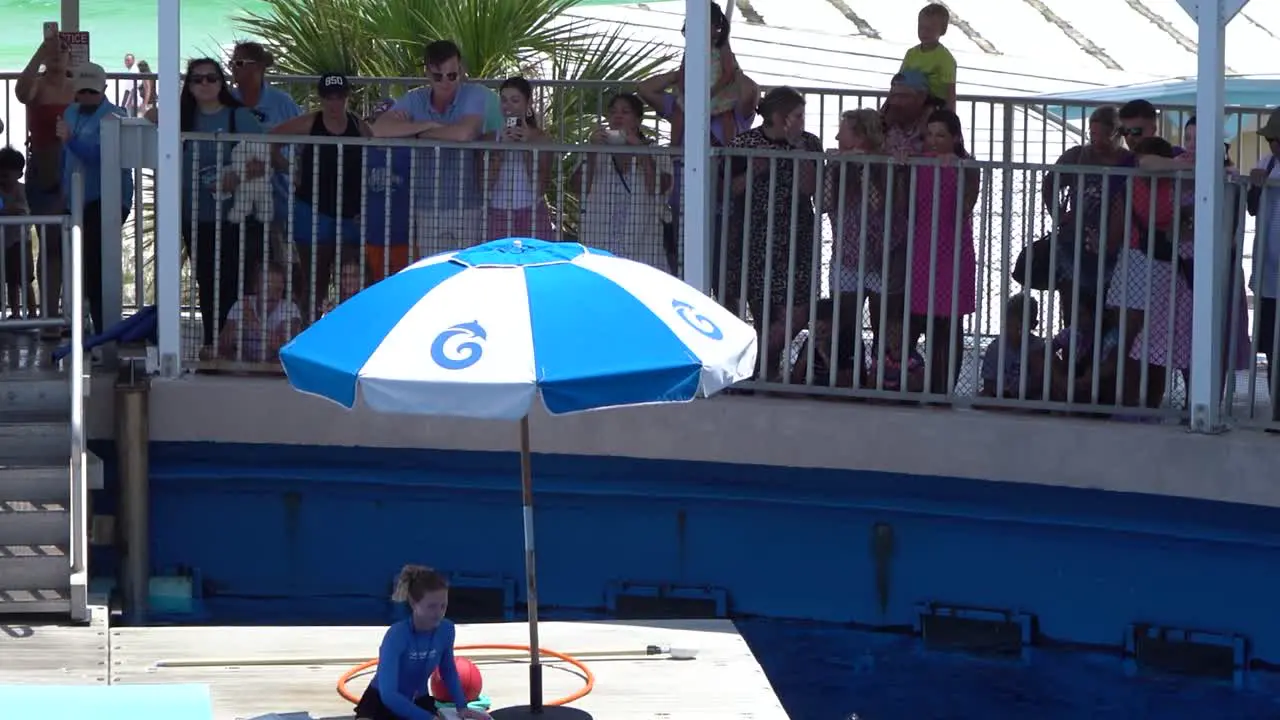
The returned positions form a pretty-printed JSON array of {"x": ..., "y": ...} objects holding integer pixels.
[{"x": 835, "y": 673}]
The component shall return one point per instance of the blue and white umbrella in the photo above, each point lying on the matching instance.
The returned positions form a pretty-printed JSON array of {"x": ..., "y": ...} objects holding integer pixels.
[{"x": 482, "y": 332}]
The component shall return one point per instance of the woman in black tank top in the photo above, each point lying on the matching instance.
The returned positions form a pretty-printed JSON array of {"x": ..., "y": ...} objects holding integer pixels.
[
  {"x": 320, "y": 163},
  {"x": 327, "y": 192}
]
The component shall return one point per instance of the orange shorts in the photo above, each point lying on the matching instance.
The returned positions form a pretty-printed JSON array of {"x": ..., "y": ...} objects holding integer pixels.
[{"x": 382, "y": 260}]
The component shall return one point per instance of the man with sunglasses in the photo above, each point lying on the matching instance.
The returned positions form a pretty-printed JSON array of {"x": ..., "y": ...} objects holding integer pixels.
[
  {"x": 249, "y": 64},
  {"x": 1139, "y": 120},
  {"x": 445, "y": 187},
  {"x": 272, "y": 106}
]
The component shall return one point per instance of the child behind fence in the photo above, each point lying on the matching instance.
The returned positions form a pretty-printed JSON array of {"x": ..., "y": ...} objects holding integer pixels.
[
  {"x": 19, "y": 296},
  {"x": 261, "y": 322}
]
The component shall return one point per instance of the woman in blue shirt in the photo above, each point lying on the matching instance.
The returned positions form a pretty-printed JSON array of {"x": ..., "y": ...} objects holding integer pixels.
[
  {"x": 80, "y": 130},
  {"x": 411, "y": 651},
  {"x": 208, "y": 183}
]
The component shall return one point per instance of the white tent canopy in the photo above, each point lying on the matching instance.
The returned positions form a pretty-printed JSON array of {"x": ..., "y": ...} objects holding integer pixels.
[{"x": 1242, "y": 91}]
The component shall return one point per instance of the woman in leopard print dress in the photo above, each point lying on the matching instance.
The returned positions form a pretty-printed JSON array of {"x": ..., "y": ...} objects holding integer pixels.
[{"x": 772, "y": 219}]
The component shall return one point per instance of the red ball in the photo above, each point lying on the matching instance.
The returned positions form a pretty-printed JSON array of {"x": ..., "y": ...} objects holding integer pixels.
[{"x": 471, "y": 682}]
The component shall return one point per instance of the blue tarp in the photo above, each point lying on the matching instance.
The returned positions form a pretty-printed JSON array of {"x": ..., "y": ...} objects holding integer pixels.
[{"x": 139, "y": 326}]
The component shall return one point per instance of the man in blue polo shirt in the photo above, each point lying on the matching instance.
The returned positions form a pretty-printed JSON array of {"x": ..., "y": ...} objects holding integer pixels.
[
  {"x": 250, "y": 62},
  {"x": 272, "y": 106},
  {"x": 445, "y": 187}
]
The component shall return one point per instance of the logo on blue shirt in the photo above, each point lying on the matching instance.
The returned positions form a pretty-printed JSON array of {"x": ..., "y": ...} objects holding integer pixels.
[{"x": 416, "y": 655}]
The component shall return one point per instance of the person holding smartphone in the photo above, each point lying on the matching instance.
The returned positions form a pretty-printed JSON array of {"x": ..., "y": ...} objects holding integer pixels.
[
  {"x": 623, "y": 192},
  {"x": 517, "y": 179},
  {"x": 46, "y": 90}
]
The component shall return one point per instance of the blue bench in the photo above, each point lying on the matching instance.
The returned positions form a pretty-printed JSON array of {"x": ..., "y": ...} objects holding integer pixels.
[{"x": 107, "y": 702}]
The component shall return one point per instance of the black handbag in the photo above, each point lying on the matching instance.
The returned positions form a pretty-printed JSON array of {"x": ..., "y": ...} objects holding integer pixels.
[
  {"x": 1254, "y": 197},
  {"x": 1031, "y": 269}
]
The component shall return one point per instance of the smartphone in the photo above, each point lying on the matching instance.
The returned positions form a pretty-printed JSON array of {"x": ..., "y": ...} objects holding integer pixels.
[
  {"x": 513, "y": 122},
  {"x": 50, "y": 30}
]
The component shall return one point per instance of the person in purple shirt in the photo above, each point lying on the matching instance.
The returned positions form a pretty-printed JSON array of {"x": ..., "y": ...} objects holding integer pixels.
[
  {"x": 411, "y": 651},
  {"x": 659, "y": 92}
]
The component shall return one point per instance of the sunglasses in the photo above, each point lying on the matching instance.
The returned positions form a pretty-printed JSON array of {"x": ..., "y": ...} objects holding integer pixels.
[
  {"x": 204, "y": 79},
  {"x": 450, "y": 76},
  {"x": 242, "y": 63},
  {"x": 1129, "y": 132}
]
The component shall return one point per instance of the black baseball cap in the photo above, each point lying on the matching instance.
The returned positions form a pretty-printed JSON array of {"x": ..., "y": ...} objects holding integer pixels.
[{"x": 333, "y": 84}]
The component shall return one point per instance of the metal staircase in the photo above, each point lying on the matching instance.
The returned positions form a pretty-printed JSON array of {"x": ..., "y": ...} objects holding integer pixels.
[
  {"x": 43, "y": 558},
  {"x": 45, "y": 469}
]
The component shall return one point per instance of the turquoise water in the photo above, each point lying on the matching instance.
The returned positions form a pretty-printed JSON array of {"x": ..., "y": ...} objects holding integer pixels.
[{"x": 117, "y": 27}]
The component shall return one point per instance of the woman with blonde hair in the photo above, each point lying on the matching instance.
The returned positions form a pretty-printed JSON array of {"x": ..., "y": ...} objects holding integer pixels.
[
  {"x": 854, "y": 196},
  {"x": 411, "y": 651}
]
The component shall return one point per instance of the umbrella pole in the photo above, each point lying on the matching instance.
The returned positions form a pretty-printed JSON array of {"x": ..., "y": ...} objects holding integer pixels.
[{"x": 530, "y": 569}]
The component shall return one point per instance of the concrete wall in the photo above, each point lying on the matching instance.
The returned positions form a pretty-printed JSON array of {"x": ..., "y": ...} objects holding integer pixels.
[
  {"x": 997, "y": 446},
  {"x": 824, "y": 511}
]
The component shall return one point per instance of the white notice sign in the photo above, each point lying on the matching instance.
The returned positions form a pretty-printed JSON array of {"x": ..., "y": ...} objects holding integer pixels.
[{"x": 76, "y": 43}]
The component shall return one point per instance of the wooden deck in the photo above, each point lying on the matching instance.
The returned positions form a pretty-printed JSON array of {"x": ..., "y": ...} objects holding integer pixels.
[{"x": 292, "y": 671}]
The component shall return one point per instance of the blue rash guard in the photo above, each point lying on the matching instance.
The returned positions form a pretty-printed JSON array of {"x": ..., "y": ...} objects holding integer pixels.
[{"x": 405, "y": 663}]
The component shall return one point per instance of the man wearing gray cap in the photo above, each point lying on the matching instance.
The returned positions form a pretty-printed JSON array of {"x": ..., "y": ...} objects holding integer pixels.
[
  {"x": 1265, "y": 203},
  {"x": 80, "y": 129}
]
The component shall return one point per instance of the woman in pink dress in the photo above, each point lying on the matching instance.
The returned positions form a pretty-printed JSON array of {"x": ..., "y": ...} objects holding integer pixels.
[{"x": 942, "y": 283}]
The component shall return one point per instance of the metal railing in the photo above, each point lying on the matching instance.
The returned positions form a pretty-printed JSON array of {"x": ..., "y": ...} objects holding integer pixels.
[
  {"x": 999, "y": 128},
  {"x": 42, "y": 288},
  {"x": 79, "y": 462},
  {"x": 32, "y": 270},
  {"x": 1008, "y": 213},
  {"x": 318, "y": 238},
  {"x": 834, "y": 325}
]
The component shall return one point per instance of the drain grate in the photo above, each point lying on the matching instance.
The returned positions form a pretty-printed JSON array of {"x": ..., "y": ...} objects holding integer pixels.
[
  {"x": 976, "y": 630},
  {"x": 1187, "y": 652},
  {"x": 635, "y": 601}
]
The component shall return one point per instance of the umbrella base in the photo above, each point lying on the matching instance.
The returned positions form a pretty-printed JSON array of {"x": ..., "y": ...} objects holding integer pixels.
[{"x": 547, "y": 713}]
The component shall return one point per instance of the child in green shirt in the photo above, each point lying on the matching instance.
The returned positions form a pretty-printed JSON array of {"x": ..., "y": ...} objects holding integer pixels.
[{"x": 931, "y": 58}]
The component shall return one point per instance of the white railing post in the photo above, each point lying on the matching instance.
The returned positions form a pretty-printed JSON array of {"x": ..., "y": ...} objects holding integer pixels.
[
  {"x": 168, "y": 192},
  {"x": 112, "y": 239},
  {"x": 1204, "y": 397},
  {"x": 697, "y": 144},
  {"x": 78, "y": 466}
]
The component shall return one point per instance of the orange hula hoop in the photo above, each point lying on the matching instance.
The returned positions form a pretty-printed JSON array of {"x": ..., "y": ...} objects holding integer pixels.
[{"x": 589, "y": 677}]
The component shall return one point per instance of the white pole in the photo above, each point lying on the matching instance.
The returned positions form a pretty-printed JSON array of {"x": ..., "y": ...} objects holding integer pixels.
[
  {"x": 70, "y": 20},
  {"x": 697, "y": 142},
  {"x": 1212, "y": 273},
  {"x": 168, "y": 189}
]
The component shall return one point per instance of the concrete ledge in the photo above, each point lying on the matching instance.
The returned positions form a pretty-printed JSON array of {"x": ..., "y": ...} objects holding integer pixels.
[{"x": 997, "y": 446}]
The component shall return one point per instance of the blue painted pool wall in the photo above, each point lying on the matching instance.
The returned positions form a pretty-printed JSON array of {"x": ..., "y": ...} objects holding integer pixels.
[{"x": 293, "y": 530}]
